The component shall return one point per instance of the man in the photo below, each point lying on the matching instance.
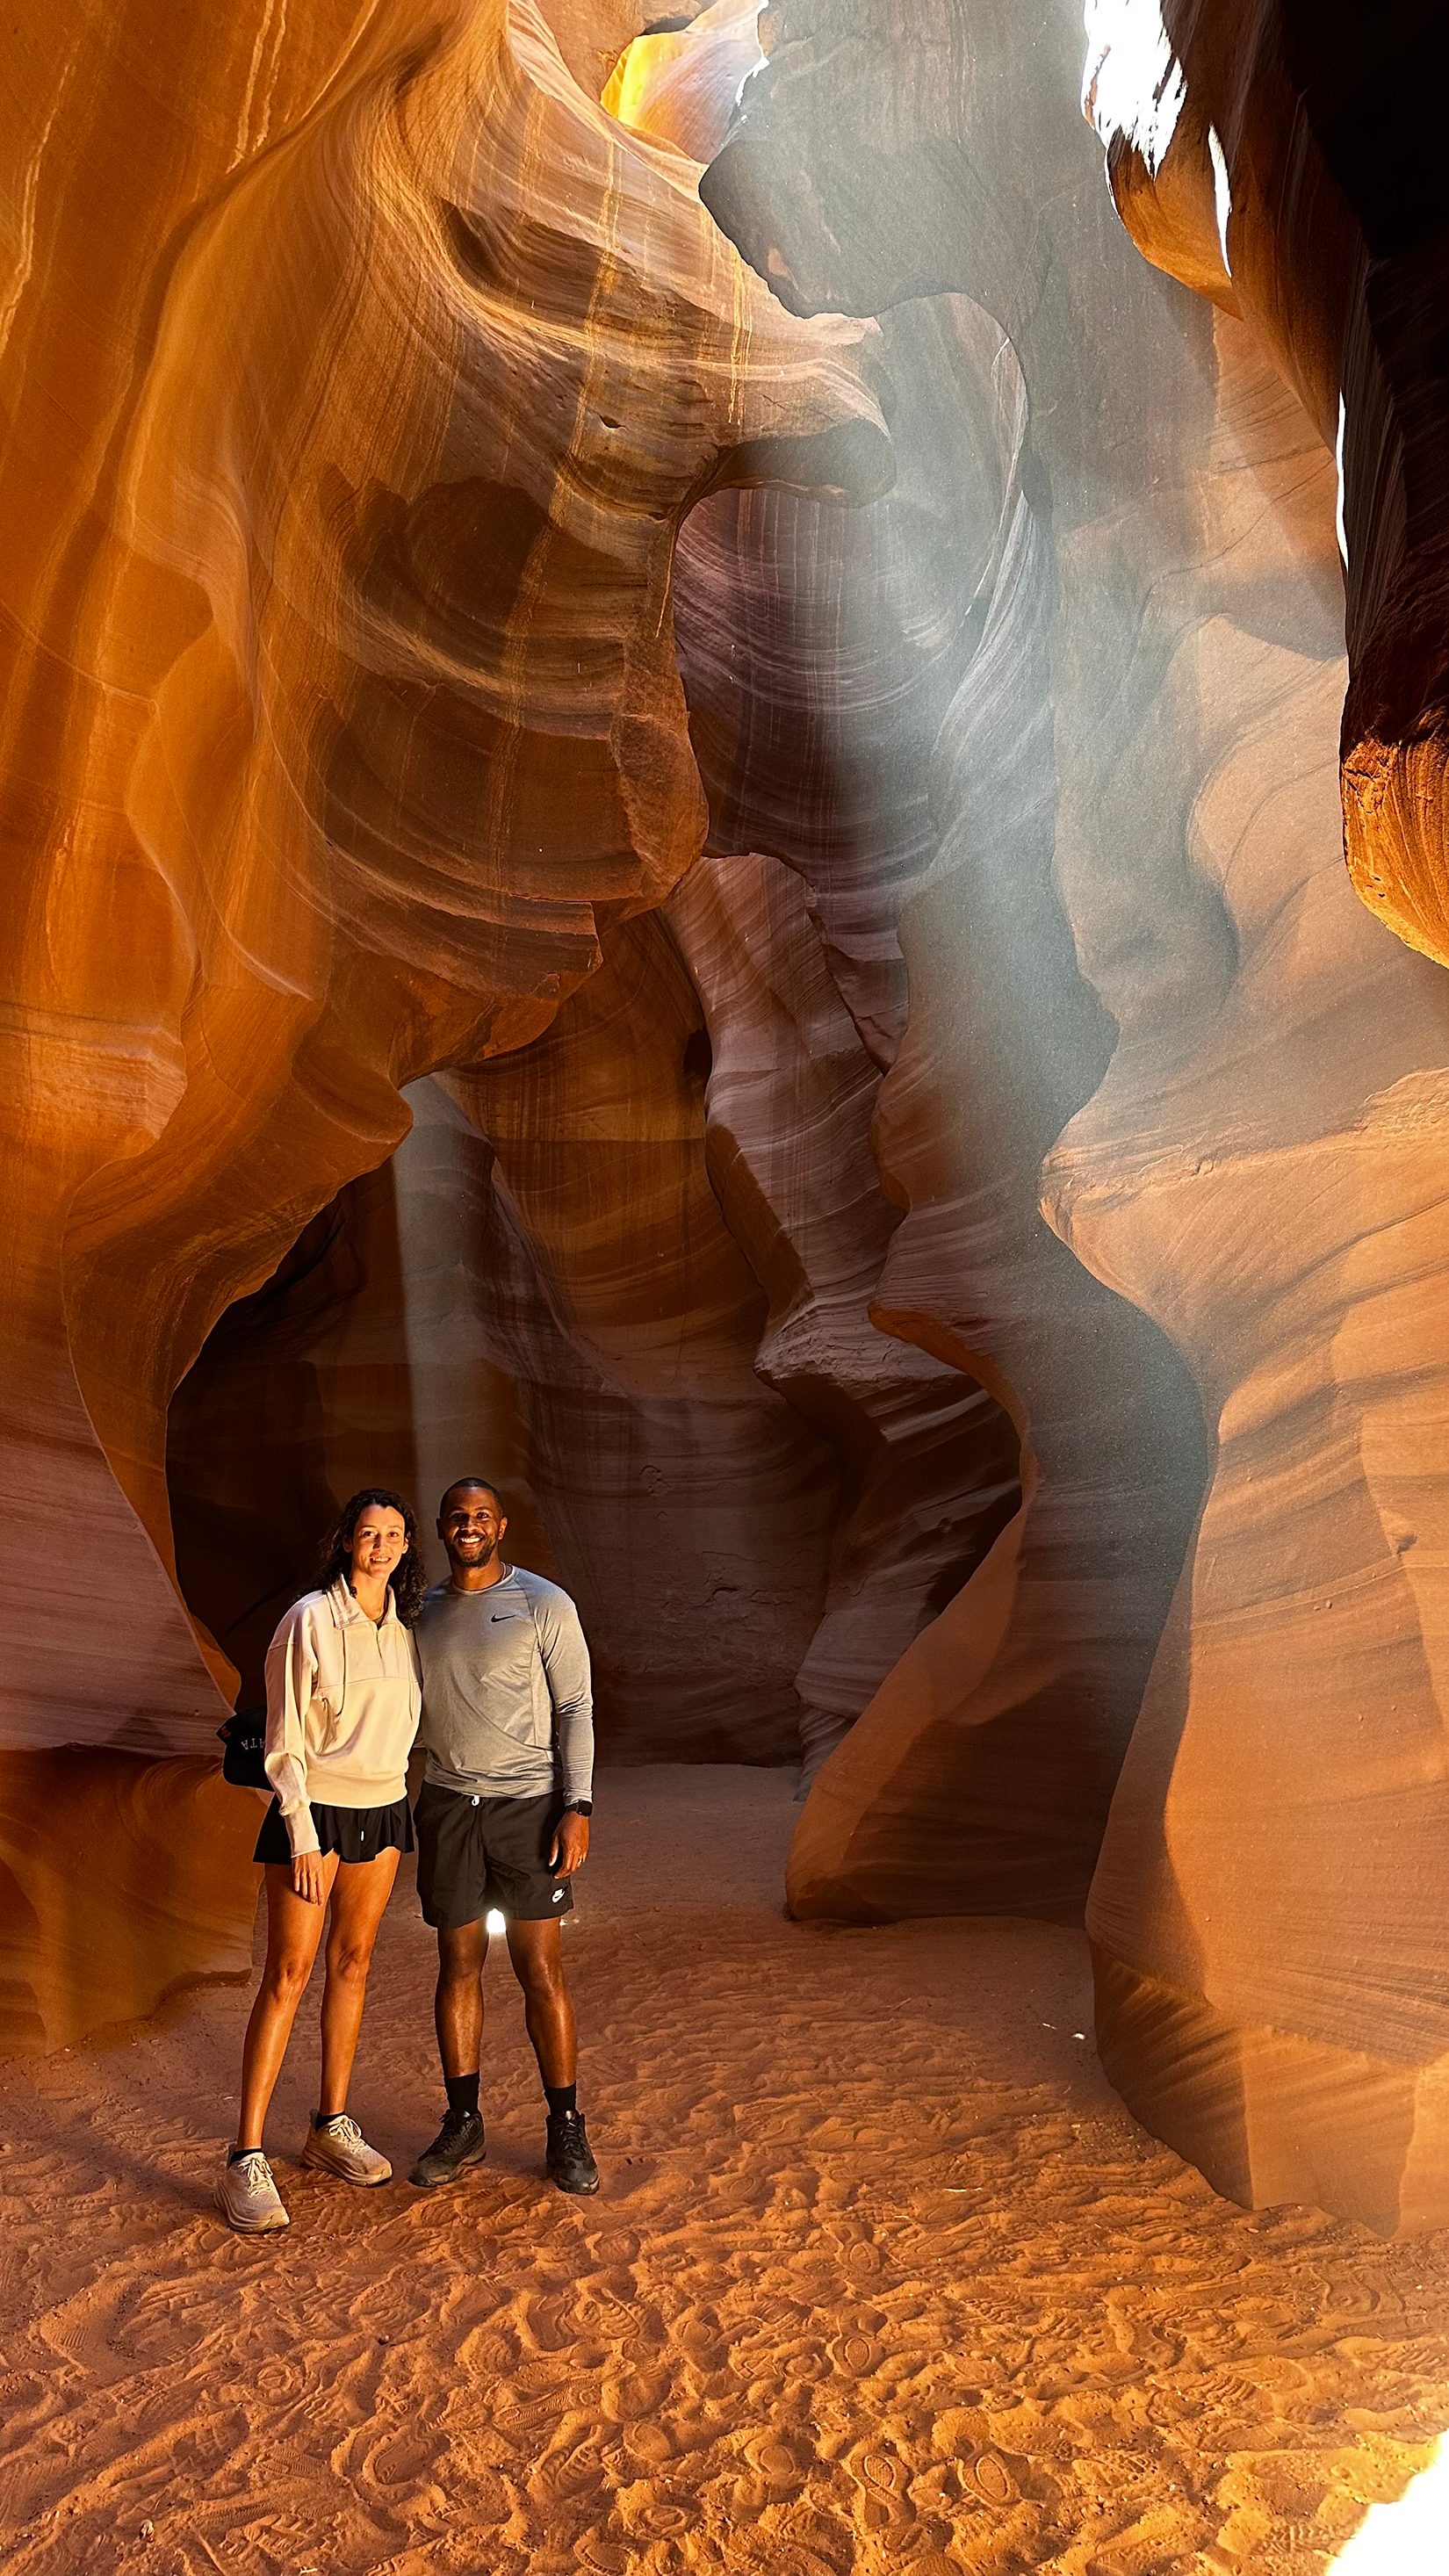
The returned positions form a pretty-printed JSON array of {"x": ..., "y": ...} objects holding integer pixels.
[{"x": 502, "y": 1818}]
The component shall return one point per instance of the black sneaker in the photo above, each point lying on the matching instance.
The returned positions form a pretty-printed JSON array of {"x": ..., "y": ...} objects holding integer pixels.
[
  {"x": 459, "y": 2143},
  {"x": 570, "y": 2159}
]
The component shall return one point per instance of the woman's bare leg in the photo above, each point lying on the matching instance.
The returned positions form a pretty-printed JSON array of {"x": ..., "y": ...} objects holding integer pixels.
[
  {"x": 294, "y": 1929},
  {"x": 359, "y": 1896}
]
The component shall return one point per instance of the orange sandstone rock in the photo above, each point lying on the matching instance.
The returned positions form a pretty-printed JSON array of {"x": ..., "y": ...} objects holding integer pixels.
[{"x": 119, "y": 1880}]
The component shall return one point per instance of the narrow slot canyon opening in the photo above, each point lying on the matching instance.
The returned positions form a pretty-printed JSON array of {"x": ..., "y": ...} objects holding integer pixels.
[{"x": 563, "y": 1280}]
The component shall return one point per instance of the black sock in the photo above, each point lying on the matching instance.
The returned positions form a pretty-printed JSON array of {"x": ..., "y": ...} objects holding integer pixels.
[
  {"x": 560, "y": 2097},
  {"x": 462, "y": 2091},
  {"x": 234, "y": 2155}
]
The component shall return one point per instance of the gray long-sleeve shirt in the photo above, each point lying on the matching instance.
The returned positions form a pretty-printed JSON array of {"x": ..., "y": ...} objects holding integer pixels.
[{"x": 508, "y": 1707}]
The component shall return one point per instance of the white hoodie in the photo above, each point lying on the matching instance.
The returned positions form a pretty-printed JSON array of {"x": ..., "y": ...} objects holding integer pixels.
[{"x": 343, "y": 1702}]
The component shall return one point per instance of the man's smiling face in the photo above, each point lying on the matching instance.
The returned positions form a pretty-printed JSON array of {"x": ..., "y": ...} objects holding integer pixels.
[{"x": 471, "y": 1524}]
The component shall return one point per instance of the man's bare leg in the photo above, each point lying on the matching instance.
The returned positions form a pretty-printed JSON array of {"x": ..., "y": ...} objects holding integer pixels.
[
  {"x": 458, "y": 2019},
  {"x": 536, "y": 1951},
  {"x": 458, "y": 2004}
]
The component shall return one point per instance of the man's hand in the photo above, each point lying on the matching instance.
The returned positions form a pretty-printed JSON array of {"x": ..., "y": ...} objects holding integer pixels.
[
  {"x": 308, "y": 1880},
  {"x": 570, "y": 1845}
]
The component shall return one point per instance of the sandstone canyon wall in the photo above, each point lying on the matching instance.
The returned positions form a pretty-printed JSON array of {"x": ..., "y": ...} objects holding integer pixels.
[
  {"x": 358, "y": 371},
  {"x": 1259, "y": 1165},
  {"x": 1270, "y": 1913}
]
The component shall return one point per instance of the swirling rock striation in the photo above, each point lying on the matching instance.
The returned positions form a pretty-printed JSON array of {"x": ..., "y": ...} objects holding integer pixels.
[{"x": 1269, "y": 1915}]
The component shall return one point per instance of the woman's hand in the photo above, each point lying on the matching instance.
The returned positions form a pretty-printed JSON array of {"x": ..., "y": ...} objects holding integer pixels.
[{"x": 307, "y": 1879}]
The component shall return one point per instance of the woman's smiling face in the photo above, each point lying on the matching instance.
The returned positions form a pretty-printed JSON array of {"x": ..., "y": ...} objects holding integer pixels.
[{"x": 379, "y": 1539}]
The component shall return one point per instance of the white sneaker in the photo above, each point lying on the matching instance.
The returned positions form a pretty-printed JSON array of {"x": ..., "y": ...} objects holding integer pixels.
[
  {"x": 339, "y": 2147},
  {"x": 248, "y": 2198}
]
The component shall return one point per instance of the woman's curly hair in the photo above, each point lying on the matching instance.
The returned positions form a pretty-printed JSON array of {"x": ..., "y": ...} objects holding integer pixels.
[{"x": 408, "y": 1580}]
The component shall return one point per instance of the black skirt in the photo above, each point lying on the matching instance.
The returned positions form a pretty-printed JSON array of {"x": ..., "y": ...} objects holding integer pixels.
[{"x": 354, "y": 1833}]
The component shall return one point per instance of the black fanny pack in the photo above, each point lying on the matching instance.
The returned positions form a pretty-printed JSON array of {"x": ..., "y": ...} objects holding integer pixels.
[{"x": 244, "y": 1739}]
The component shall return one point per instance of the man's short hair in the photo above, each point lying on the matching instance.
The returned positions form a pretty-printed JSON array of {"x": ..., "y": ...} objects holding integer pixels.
[{"x": 470, "y": 1484}]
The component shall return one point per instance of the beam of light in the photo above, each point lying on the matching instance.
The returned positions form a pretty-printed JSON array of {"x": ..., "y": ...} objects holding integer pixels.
[
  {"x": 1222, "y": 192},
  {"x": 1339, "y": 462},
  {"x": 1133, "y": 83},
  {"x": 493, "y": 1921},
  {"x": 1410, "y": 2538}
]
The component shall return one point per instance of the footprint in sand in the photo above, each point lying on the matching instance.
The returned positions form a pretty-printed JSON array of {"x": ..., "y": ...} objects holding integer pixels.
[
  {"x": 277, "y": 2380},
  {"x": 597, "y": 2315},
  {"x": 855, "y": 2354},
  {"x": 569, "y": 2477},
  {"x": 606, "y": 2557},
  {"x": 776, "y": 2463},
  {"x": 991, "y": 2478},
  {"x": 639, "y": 2393},
  {"x": 882, "y": 2480},
  {"x": 650, "y": 2443}
]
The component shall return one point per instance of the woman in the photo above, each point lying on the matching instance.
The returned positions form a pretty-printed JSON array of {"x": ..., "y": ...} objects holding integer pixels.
[{"x": 342, "y": 1709}]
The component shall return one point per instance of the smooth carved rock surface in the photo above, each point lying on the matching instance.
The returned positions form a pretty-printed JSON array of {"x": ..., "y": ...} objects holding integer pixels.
[
  {"x": 1287, "y": 160},
  {"x": 357, "y": 372},
  {"x": 148, "y": 1883},
  {"x": 1257, "y": 1162},
  {"x": 1270, "y": 1913}
]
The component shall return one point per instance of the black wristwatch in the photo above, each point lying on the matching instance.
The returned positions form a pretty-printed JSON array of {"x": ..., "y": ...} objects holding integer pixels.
[{"x": 579, "y": 1807}]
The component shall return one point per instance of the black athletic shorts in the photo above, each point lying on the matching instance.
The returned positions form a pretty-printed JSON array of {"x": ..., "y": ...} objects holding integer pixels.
[
  {"x": 478, "y": 1853},
  {"x": 354, "y": 1833}
]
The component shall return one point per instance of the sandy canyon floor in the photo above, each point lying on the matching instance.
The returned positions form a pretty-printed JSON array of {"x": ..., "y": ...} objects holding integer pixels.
[{"x": 882, "y": 2276}]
